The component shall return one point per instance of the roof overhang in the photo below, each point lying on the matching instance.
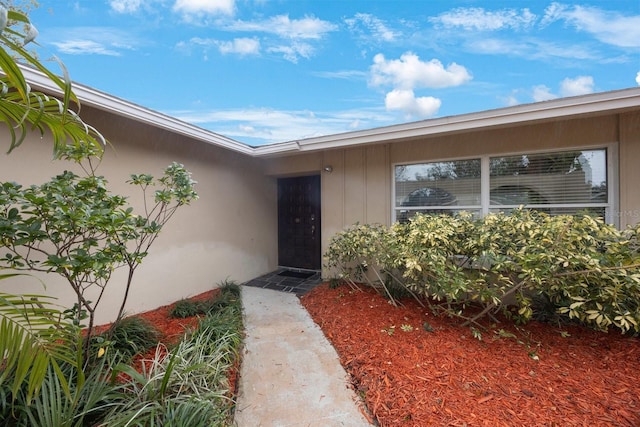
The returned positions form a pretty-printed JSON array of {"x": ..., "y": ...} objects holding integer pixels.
[{"x": 562, "y": 108}]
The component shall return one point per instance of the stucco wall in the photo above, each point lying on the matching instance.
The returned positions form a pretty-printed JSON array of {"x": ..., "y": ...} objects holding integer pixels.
[
  {"x": 359, "y": 188},
  {"x": 229, "y": 232}
]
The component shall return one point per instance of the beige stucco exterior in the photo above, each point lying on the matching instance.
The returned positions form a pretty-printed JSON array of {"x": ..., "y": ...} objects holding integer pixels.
[
  {"x": 228, "y": 233},
  {"x": 231, "y": 231}
]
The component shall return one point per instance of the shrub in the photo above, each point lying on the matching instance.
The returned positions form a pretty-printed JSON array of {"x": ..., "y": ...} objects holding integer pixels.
[{"x": 586, "y": 269}]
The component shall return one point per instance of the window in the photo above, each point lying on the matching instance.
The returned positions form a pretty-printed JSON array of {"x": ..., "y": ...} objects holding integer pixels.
[
  {"x": 566, "y": 182},
  {"x": 558, "y": 183},
  {"x": 442, "y": 187}
]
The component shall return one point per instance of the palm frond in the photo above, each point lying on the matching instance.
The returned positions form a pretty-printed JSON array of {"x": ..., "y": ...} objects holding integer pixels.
[
  {"x": 24, "y": 109},
  {"x": 33, "y": 336}
]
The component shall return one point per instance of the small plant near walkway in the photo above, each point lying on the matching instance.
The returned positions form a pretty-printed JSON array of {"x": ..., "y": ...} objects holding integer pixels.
[
  {"x": 523, "y": 264},
  {"x": 189, "y": 382},
  {"x": 188, "y": 385}
]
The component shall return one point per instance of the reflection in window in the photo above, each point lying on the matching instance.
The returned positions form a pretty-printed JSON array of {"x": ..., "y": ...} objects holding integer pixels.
[
  {"x": 423, "y": 197},
  {"x": 516, "y": 195},
  {"x": 439, "y": 187}
]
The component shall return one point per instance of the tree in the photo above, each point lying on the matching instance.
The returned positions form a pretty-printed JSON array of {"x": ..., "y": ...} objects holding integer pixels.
[{"x": 73, "y": 226}]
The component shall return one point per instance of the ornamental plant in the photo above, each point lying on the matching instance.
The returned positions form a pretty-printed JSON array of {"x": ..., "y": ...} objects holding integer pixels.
[
  {"x": 73, "y": 226},
  {"x": 367, "y": 253},
  {"x": 24, "y": 109},
  {"x": 586, "y": 269},
  {"x": 36, "y": 336}
]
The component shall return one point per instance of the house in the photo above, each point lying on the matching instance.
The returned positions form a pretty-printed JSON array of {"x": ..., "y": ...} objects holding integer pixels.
[{"x": 280, "y": 204}]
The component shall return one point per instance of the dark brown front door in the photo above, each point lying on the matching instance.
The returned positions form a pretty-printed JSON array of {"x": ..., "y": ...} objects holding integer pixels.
[{"x": 299, "y": 222}]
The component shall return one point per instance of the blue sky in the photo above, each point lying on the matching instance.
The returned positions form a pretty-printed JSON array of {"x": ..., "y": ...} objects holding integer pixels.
[{"x": 264, "y": 71}]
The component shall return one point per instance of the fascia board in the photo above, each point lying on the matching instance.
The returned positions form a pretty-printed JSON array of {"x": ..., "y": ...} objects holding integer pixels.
[{"x": 103, "y": 101}]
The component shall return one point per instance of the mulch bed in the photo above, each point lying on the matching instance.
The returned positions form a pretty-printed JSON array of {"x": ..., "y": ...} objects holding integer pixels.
[{"x": 416, "y": 369}]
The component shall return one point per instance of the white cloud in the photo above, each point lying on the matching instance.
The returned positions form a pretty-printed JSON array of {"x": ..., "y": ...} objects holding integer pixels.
[
  {"x": 376, "y": 27},
  {"x": 240, "y": 46},
  {"x": 409, "y": 72},
  {"x": 342, "y": 74},
  {"x": 406, "y": 101},
  {"x": 609, "y": 27},
  {"x": 308, "y": 27},
  {"x": 94, "y": 41},
  {"x": 581, "y": 85},
  {"x": 305, "y": 28},
  {"x": 532, "y": 48},
  {"x": 294, "y": 51},
  {"x": 294, "y": 34},
  {"x": 262, "y": 125},
  {"x": 638, "y": 78},
  {"x": 207, "y": 7},
  {"x": 542, "y": 93},
  {"x": 84, "y": 47},
  {"x": 479, "y": 19},
  {"x": 126, "y": 6},
  {"x": 511, "y": 100}
]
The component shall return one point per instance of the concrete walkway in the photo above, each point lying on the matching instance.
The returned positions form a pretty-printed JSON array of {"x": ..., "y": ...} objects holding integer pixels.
[{"x": 290, "y": 374}]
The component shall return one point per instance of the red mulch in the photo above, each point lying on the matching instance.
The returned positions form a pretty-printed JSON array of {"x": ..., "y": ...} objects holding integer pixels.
[{"x": 446, "y": 377}]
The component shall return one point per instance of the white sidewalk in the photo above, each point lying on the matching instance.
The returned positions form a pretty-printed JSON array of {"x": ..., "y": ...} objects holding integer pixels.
[{"x": 290, "y": 374}]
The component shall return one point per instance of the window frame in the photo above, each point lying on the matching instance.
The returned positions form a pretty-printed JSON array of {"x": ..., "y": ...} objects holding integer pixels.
[{"x": 610, "y": 207}]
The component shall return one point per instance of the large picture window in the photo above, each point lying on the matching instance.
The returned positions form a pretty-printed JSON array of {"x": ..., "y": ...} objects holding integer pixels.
[{"x": 566, "y": 182}]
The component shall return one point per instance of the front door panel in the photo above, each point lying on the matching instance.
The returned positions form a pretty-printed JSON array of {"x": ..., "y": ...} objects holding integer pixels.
[{"x": 299, "y": 243}]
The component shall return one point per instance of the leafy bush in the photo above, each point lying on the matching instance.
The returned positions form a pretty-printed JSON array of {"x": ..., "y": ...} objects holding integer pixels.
[
  {"x": 366, "y": 253},
  {"x": 229, "y": 295},
  {"x": 584, "y": 268}
]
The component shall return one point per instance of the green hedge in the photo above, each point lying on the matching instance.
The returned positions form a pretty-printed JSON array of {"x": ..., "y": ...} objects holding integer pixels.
[{"x": 581, "y": 267}]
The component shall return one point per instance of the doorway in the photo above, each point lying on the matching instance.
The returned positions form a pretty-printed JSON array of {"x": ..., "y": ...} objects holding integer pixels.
[{"x": 299, "y": 244}]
